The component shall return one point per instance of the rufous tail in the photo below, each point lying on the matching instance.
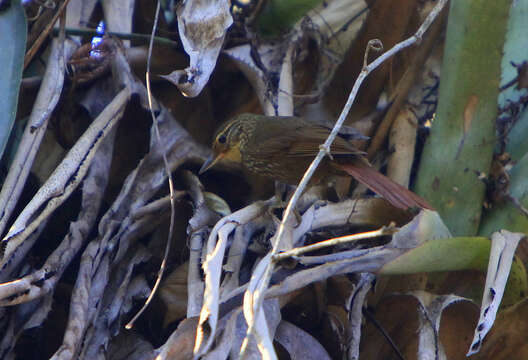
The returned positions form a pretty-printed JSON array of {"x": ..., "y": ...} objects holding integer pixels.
[{"x": 396, "y": 194}]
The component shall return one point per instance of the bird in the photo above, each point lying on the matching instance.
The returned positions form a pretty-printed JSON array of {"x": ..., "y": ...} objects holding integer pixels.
[{"x": 282, "y": 148}]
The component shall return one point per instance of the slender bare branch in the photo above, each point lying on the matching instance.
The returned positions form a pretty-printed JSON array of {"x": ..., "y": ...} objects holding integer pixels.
[
  {"x": 385, "y": 230},
  {"x": 167, "y": 171},
  {"x": 258, "y": 294}
]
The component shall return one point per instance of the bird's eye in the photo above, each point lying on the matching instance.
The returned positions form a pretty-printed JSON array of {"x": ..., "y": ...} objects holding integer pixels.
[{"x": 222, "y": 139}]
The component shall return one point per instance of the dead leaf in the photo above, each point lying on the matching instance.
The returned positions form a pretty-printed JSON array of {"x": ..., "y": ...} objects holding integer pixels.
[{"x": 202, "y": 25}]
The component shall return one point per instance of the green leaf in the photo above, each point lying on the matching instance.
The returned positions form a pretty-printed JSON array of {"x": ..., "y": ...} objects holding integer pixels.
[
  {"x": 505, "y": 215},
  {"x": 12, "y": 48},
  {"x": 463, "y": 134},
  {"x": 458, "y": 253},
  {"x": 515, "y": 51},
  {"x": 279, "y": 16}
]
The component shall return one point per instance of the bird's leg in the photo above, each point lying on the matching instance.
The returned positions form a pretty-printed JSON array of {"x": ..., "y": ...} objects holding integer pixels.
[{"x": 283, "y": 194}]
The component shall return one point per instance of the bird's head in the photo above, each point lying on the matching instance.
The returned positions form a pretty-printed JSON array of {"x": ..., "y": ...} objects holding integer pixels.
[{"x": 227, "y": 142}]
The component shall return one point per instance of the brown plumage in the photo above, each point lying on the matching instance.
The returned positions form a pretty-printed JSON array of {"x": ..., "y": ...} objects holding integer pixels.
[{"x": 282, "y": 148}]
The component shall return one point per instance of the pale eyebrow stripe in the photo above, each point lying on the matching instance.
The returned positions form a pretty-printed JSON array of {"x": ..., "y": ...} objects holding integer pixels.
[
  {"x": 227, "y": 130},
  {"x": 223, "y": 132}
]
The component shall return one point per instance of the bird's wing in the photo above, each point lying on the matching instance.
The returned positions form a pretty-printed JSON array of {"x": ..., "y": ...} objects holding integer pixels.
[
  {"x": 309, "y": 139},
  {"x": 295, "y": 138}
]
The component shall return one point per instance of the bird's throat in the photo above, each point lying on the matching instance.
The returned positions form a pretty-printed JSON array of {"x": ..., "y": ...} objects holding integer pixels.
[{"x": 232, "y": 155}]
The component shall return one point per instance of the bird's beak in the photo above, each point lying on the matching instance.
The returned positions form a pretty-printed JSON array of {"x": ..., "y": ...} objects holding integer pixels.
[{"x": 209, "y": 163}]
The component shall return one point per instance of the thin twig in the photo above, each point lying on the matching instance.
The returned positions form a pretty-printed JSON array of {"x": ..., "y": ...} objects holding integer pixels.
[
  {"x": 404, "y": 86},
  {"x": 156, "y": 205},
  {"x": 369, "y": 316},
  {"x": 385, "y": 230},
  {"x": 121, "y": 35},
  {"x": 37, "y": 44},
  {"x": 169, "y": 177},
  {"x": 367, "y": 69}
]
